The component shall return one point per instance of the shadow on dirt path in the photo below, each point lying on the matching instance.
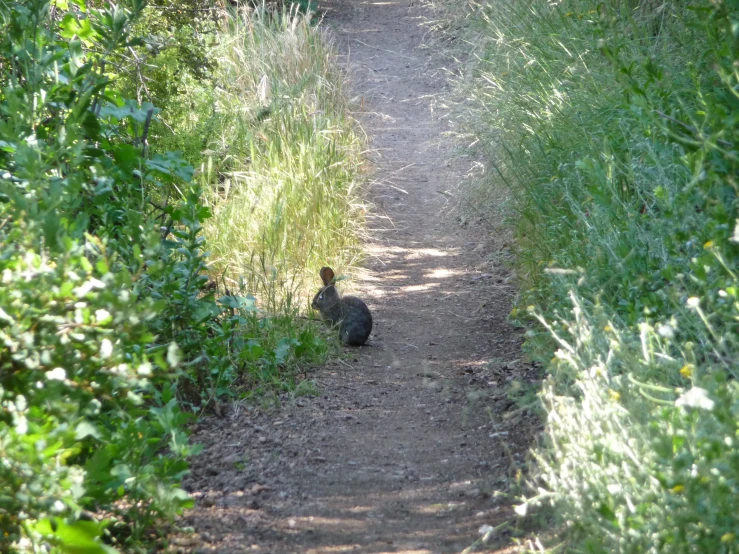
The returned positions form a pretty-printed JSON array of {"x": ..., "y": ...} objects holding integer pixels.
[{"x": 407, "y": 442}]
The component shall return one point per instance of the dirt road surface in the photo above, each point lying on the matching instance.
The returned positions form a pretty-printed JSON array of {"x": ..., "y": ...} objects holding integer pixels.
[{"x": 409, "y": 439}]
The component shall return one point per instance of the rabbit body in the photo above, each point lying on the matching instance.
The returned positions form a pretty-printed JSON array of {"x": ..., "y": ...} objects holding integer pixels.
[{"x": 350, "y": 313}]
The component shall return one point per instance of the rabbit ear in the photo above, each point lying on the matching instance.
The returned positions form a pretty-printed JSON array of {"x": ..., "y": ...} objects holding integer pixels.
[{"x": 327, "y": 275}]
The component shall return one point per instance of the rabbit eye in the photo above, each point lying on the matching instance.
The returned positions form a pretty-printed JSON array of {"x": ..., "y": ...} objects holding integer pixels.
[{"x": 320, "y": 296}]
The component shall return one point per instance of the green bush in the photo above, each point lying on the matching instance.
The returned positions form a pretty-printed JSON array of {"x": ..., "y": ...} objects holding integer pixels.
[
  {"x": 108, "y": 316},
  {"x": 651, "y": 468},
  {"x": 82, "y": 425},
  {"x": 613, "y": 129},
  {"x": 88, "y": 422}
]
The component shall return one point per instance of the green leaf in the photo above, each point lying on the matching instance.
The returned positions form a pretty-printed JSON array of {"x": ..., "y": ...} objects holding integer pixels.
[
  {"x": 128, "y": 108},
  {"x": 283, "y": 349},
  {"x": 76, "y": 538},
  {"x": 248, "y": 303},
  {"x": 205, "y": 311},
  {"x": 86, "y": 429}
]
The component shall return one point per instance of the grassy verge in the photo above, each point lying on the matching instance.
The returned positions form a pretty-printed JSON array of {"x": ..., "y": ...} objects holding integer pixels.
[
  {"x": 278, "y": 156},
  {"x": 612, "y": 130}
]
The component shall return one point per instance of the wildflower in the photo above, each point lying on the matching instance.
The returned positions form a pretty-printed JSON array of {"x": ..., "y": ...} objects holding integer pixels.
[
  {"x": 735, "y": 237},
  {"x": 693, "y": 302},
  {"x": 696, "y": 398},
  {"x": 102, "y": 316},
  {"x": 144, "y": 369},
  {"x": 56, "y": 374},
  {"x": 58, "y": 507},
  {"x": 106, "y": 349}
]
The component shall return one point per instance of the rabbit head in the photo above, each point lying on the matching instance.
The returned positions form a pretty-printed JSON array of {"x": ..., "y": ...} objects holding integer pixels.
[{"x": 328, "y": 297}]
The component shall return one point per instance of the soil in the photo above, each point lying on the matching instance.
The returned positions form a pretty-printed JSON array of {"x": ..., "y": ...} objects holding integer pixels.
[{"x": 411, "y": 436}]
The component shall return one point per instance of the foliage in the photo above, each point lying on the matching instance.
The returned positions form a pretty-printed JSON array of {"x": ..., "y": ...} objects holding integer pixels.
[
  {"x": 89, "y": 420},
  {"x": 175, "y": 37},
  {"x": 652, "y": 468},
  {"x": 109, "y": 321},
  {"x": 619, "y": 161}
]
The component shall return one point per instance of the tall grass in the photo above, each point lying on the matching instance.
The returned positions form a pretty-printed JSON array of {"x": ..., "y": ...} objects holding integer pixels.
[
  {"x": 612, "y": 129},
  {"x": 280, "y": 161}
]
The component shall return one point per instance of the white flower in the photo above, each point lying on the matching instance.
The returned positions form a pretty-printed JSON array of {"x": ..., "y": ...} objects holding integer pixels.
[
  {"x": 121, "y": 369},
  {"x": 665, "y": 330},
  {"x": 83, "y": 289},
  {"x": 21, "y": 424},
  {"x": 486, "y": 531},
  {"x": 694, "y": 302},
  {"x": 735, "y": 238},
  {"x": 106, "y": 349},
  {"x": 102, "y": 316},
  {"x": 58, "y": 507},
  {"x": 173, "y": 354},
  {"x": 56, "y": 374},
  {"x": 696, "y": 398},
  {"x": 144, "y": 369}
]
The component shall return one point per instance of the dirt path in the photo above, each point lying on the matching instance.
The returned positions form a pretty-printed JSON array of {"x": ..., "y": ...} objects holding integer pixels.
[{"x": 405, "y": 445}]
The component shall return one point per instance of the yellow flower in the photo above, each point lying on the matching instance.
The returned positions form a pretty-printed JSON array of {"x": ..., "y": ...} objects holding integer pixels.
[
  {"x": 709, "y": 244},
  {"x": 615, "y": 395},
  {"x": 677, "y": 489},
  {"x": 728, "y": 537},
  {"x": 687, "y": 371},
  {"x": 607, "y": 329}
]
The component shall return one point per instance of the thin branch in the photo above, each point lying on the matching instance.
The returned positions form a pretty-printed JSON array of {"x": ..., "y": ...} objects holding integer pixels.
[{"x": 692, "y": 129}]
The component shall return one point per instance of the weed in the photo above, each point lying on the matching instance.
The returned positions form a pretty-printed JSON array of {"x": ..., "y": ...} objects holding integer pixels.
[
  {"x": 611, "y": 128},
  {"x": 279, "y": 157}
]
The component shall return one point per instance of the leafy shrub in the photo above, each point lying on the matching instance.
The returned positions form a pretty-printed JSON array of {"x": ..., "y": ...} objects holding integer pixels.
[
  {"x": 651, "y": 468},
  {"x": 78, "y": 395},
  {"x": 108, "y": 320},
  {"x": 173, "y": 49},
  {"x": 89, "y": 420},
  {"x": 613, "y": 128}
]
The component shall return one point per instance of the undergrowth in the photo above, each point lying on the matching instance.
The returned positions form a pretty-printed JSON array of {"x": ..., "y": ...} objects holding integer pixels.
[
  {"x": 116, "y": 325},
  {"x": 278, "y": 156},
  {"x": 612, "y": 129}
]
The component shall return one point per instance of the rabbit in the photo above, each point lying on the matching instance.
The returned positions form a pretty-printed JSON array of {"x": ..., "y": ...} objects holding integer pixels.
[{"x": 349, "y": 312}]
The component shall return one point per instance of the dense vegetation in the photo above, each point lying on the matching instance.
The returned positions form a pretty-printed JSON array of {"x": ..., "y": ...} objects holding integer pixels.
[
  {"x": 113, "y": 331},
  {"x": 613, "y": 127}
]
